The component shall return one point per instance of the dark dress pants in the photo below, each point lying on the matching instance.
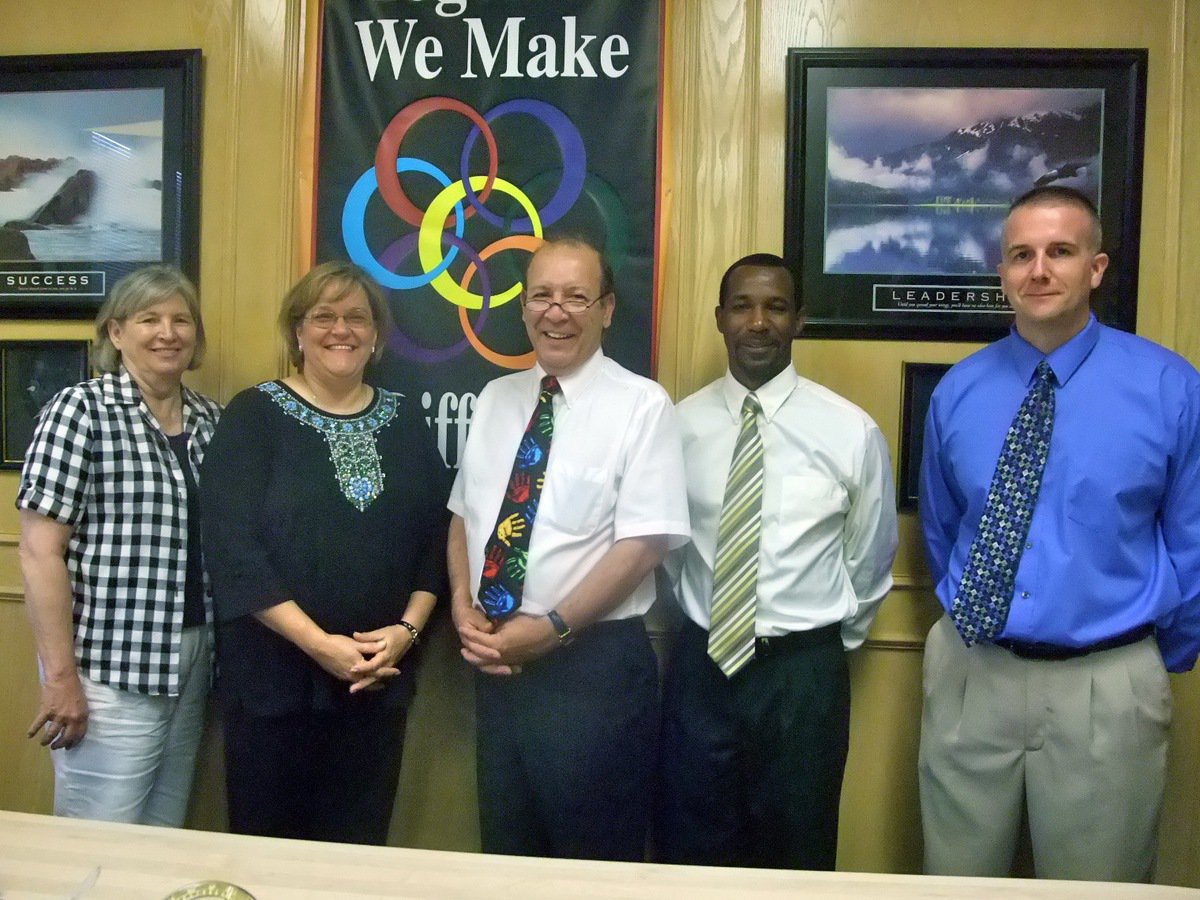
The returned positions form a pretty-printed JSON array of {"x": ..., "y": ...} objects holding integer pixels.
[
  {"x": 752, "y": 766},
  {"x": 566, "y": 748},
  {"x": 320, "y": 775}
]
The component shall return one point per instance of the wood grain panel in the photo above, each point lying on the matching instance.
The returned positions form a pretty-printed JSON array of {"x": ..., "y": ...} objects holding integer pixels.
[
  {"x": 880, "y": 821},
  {"x": 28, "y": 781},
  {"x": 252, "y": 61},
  {"x": 869, "y": 372},
  {"x": 706, "y": 203},
  {"x": 725, "y": 120},
  {"x": 1179, "y": 853}
]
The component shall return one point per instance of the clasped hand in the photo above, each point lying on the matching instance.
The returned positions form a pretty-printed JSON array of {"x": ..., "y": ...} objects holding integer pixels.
[
  {"x": 365, "y": 659},
  {"x": 501, "y": 648}
]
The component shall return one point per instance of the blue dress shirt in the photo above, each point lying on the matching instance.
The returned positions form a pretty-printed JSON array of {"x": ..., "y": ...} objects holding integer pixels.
[{"x": 1115, "y": 538}]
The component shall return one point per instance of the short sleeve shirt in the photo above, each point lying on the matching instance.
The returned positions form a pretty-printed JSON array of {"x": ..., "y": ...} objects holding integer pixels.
[
  {"x": 99, "y": 463},
  {"x": 615, "y": 472}
]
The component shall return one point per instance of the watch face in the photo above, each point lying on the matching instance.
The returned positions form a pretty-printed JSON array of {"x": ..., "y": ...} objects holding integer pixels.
[{"x": 210, "y": 890}]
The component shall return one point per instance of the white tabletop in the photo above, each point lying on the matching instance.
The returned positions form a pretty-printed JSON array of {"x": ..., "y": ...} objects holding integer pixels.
[{"x": 43, "y": 856}]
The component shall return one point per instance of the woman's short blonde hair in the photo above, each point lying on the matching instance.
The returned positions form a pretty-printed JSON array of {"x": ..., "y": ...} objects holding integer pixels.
[
  {"x": 139, "y": 290},
  {"x": 308, "y": 292}
]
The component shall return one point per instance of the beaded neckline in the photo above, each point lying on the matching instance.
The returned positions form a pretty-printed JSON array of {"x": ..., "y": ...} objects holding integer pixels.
[{"x": 351, "y": 440}]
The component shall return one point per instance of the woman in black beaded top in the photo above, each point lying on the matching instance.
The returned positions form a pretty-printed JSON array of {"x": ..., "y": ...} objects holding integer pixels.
[{"x": 325, "y": 536}]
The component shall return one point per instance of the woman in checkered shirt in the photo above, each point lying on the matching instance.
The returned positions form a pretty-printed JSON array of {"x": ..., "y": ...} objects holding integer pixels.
[{"x": 110, "y": 553}]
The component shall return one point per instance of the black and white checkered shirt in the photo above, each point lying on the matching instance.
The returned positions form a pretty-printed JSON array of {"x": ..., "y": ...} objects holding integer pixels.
[{"x": 99, "y": 463}]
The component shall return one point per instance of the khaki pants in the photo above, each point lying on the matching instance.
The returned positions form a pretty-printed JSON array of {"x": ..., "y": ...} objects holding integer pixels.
[{"x": 1080, "y": 744}]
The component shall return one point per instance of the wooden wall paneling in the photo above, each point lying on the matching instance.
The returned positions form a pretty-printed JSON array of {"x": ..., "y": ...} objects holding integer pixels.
[
  {"x": 269, "y": 64},
  {"x": 708, "y": 203},
  {"x": 217, "y": 23},
  {"x": 880, "y": 822},
  {"x": 1187, "y": 320},
  {"x": 27, "y": 784},
  {"x": 1179, "y": 852},
  {"x": 436, "y": 801},
  {"x": 252, "y": 57},
  {"x": 868, "y": 372}
]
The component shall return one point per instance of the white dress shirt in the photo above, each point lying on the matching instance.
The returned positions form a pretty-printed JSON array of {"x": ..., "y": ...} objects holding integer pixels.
[
  {"x": 615, "y": 472},
  {"x": 828, "y": 518}
]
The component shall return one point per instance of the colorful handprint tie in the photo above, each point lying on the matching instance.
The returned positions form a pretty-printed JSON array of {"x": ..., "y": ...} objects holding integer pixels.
[
  {"x": 735, "y": 567},
  {"x": 980, "y": 609},
  {"x": 507, "y": 549}
]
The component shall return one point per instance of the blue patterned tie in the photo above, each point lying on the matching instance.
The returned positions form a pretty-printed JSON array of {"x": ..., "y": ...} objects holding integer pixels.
[{"x": 985, "y": 593}]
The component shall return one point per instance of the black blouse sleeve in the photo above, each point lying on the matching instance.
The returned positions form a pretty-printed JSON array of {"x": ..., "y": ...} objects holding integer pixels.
[{"x": 232, "y": 484}]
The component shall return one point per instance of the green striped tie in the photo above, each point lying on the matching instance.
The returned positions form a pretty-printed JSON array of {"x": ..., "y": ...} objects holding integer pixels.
[{"x": 735, "y": 571}]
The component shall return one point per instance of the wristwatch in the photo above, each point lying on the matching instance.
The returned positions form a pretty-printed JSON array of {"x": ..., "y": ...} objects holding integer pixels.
[{"x": 561, "y": 628}]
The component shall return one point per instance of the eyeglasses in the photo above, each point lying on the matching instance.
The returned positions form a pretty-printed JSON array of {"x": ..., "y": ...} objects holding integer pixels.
[
  {"x": 325, "y": 320},
  {"x": 540, "y": 303}
]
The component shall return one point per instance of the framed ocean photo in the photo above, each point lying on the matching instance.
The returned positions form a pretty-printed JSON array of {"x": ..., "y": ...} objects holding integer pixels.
[{"x": 99, "y": 175}]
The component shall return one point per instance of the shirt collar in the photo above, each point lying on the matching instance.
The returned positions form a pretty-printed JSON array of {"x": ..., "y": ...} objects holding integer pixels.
[
  {"x": 770, "y": 396},
  {"x": 119, "y": 389},
  {"x": 574, "y": 383},
  {"x": 1064, "y": 360}
]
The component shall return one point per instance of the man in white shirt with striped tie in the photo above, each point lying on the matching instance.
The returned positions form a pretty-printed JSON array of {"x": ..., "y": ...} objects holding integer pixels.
[{"x": 791, "y": 499}]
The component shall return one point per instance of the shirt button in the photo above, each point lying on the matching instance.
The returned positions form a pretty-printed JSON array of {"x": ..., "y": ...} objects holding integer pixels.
[
  {"x": 1024, "y": 595},
  {"x": 1029, "y": 545}
]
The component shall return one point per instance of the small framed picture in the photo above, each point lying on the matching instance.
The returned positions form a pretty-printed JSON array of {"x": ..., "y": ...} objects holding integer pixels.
[
  {"x": 32, "y": 372},
  {"x": 919, "y": 381}
]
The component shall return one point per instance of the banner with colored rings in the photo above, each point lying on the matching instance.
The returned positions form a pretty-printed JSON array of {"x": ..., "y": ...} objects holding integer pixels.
[{"x": 453, "y": 137}]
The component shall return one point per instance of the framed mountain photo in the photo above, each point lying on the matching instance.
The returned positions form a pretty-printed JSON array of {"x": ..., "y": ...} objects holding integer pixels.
[{"x": 902, "y": 164}]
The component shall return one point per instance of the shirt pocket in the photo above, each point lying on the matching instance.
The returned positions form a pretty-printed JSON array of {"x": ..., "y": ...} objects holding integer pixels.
[
  {"x": 576, "y": 497},
  {"x": 1112, "y": 491},
  {"x": 810, "y": 503}
]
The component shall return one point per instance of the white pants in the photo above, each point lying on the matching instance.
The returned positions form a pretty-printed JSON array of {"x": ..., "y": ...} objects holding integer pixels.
[
  {"x": 136, "y": 762},
  {"x": 1079, "y": 744}
]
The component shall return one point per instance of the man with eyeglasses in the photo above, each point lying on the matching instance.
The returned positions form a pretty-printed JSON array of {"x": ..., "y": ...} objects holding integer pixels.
[
  {"x": 793, "y": 537},
  {"x": 560, "y": 518}
]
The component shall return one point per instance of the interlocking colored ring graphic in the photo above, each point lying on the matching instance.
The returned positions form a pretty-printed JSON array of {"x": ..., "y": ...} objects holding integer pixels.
[
  {"x": 401, "y": 342},
  {"x": 429, "y": 246},
  {"x": 389, "y": 148},
  {"x": 354, "y": 236},
  {"x": 437, "y": 235},
  {"x": 570, "y": 146},
  {"x": 520, "y": 360}
]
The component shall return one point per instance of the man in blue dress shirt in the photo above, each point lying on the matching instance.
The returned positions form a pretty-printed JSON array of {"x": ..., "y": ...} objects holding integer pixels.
[{"x": 1063, "y": 713}]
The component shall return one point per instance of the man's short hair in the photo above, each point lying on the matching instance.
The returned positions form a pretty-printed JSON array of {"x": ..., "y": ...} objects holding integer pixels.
[
  {"x": 607, "y": 280},
  {"x": 1061, "y": 195},
  {"x": 762, "y": 260}
]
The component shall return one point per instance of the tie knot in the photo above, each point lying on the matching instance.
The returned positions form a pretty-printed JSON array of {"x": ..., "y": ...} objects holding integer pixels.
[
  {"x": 751, "y": 407},
  {"x": 1044, "y": 372},
  {"x": 550, "y": 385}
]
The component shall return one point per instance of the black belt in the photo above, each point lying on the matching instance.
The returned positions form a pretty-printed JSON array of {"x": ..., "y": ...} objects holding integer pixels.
[
  {"x": 1039, "y": 650},
  {"x": 798, "y": 640}
]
